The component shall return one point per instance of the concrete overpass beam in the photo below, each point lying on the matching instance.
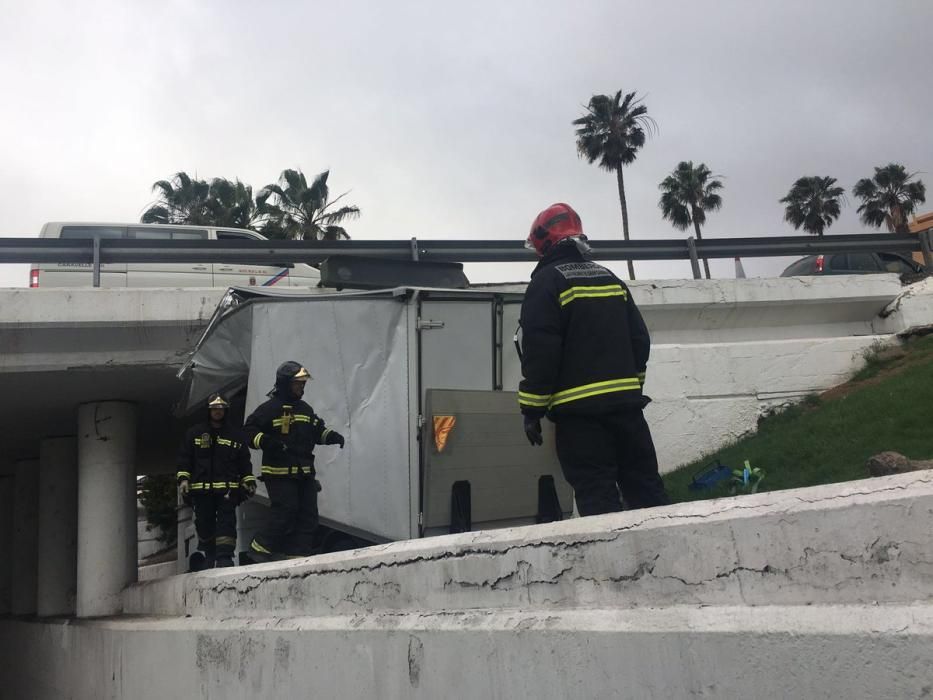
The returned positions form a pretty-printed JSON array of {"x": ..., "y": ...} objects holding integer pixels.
[
  {"x": 58, "y": 519},
  {"x": 25, "y": 536},
  {"x": 106, "y": 506}
]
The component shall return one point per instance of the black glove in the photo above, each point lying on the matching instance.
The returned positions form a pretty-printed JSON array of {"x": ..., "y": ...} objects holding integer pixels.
[
  {"x": 335, "y": 438},
  {"x": 533, "y": 430},
  {"x": 273, "y": 444}
]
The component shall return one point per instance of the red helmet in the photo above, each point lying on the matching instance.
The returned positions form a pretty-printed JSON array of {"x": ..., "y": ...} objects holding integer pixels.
[{"x": 554, "y": 224}]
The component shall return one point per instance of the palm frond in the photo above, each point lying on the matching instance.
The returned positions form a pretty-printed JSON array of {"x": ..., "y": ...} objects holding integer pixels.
[
  {"x": 889, "y": 197},
  {"x": 293, "y": 180},
  {"x": 338, "y": 215},
  {"x": 813, "y": 203},
  {"x": 156, "y": 214},
  {"x": 688, "y": 193}
]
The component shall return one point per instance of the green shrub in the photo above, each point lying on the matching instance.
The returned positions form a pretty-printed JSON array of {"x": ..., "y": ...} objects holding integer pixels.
[{"x": 158, "y": 495}]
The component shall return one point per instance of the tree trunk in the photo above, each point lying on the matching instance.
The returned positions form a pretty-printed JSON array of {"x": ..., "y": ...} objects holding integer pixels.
[
  {"x": 899, "y": 220},
  {"x": 631, "y": 265},
  {"x": 696, "y": 227}
]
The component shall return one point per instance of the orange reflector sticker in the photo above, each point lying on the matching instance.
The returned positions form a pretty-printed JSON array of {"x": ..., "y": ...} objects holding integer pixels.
[{"x": 442, "y": 427}]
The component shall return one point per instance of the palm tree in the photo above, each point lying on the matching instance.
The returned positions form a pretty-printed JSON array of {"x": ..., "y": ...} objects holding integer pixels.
[
  {"x": 889, "y": 197},
  {"x": 813, "y": 203},
  {"x": 181, "y": 201},
  {"x": 293, "y": 209},
  {"x": 687, "y": 194},
  {"x": 231, "y": 204},
  {"x": 612, "y": 131}
]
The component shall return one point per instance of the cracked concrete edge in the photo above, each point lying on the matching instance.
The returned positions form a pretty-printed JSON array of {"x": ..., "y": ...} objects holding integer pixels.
[
  {"x": 875, "y": 619},
  {"x": 795, "y": 546}
]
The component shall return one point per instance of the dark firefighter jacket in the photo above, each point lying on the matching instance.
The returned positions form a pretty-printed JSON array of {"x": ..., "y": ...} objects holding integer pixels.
[
  {"x": 295, "y": 424},
  {"x": 213, "y": 459},
  {"x": 584, "y": 343}
]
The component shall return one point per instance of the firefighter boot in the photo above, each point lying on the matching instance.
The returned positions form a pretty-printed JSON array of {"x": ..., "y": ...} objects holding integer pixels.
[
  {"x": 197, "y": 562},
  {"x": 258, "y": 554}
]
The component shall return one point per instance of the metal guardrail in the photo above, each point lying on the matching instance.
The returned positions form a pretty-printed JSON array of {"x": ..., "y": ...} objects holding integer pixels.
[{"x": 99, "y": 251}]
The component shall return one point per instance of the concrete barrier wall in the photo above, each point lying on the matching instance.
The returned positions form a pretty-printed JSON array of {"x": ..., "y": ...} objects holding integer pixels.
[
  {"x": 816, "y": 593},
  {"x": 858, "y": 542},
  {"x": 863, "y": 652}
]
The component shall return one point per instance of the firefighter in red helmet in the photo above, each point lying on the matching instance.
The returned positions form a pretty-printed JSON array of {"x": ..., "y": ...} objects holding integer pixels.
[{"x": 584, "y": 354}]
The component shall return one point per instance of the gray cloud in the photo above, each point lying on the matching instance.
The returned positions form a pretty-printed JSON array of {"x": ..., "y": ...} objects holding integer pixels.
[{"x": 453, "y": 120}]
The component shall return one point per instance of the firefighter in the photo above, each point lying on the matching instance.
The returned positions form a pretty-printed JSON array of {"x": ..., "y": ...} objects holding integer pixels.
[
  {"x": 584, "y": 354},
  {"x": 286, "y": 429},
  {"x": 215, "y": 474}
]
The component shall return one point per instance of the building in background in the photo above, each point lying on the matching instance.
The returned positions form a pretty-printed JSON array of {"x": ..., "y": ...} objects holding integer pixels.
[{"x": 920, "y": 223}]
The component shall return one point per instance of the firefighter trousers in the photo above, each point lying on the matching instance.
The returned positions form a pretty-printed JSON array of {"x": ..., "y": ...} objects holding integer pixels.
[
  {"x": 603, "y": 454},
  {"x": 215, "y": 522},
  {"x": 293, "y": 517}
]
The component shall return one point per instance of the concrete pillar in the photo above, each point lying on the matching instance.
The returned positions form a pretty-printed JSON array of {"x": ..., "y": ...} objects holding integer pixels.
[
  {"x": 25, "y": 536},
  {"x": 6, "y": 535},
  {"x": 106, "y": 506},
  {"x": 58, "y": 521}
]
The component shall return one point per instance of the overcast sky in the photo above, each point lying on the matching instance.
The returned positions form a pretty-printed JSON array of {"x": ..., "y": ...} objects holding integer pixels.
[{"x": 452, "y": 120}]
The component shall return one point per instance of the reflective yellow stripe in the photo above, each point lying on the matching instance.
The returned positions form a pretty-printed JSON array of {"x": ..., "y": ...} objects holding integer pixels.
[
  {"x": 606, "y": 290},
  {"x": 641, "y": 377},
  {"x": 325, "y": 434},
  {"x": 274, "y": 470},
  {"x": 595, "y": 389},
  {"x": 205, "y": 485},
  {"x": 257, "y": 440},
  {"x": 301, "y": 418},
  {"x": 247, "y": 479},
  {"x": 223, "y": 539},
  {"x": 584, "y": 388},
  {"x": 285, "y": 471},
  {"x": 184, "y": 475},
  {"x": 229, "y": 443},
  {"x": 258, "y": 547},
  {"x": 537, "y": 400}
]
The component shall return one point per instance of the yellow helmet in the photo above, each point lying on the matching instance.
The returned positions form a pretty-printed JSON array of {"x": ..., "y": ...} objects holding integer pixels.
[{"x": 217, "y": 401}]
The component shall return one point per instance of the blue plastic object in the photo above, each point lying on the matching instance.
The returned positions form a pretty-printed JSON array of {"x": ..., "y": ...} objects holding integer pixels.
[{"x": 714, "y": 473}]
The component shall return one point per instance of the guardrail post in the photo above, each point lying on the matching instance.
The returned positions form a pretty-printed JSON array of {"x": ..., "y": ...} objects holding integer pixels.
[
  {"x": 414, "y": 249},
  {"x": 926, "y": 247},
  {"x": 96, "y": 261},
  {"x": 694, "y": 260}
]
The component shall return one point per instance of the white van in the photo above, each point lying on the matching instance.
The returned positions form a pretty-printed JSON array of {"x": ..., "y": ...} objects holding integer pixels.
[{"x": 165, "y": 274}]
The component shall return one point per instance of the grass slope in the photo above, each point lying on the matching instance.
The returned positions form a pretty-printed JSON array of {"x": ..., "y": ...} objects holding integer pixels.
[{"x": 828, "y": 438}]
